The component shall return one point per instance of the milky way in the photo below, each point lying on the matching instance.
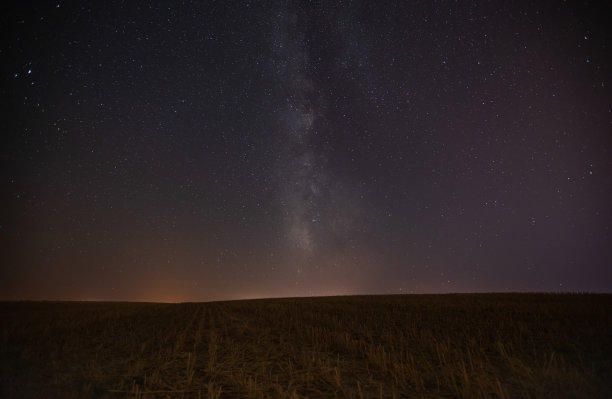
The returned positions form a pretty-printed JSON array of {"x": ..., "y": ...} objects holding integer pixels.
[
  {"x": 315, "y": 209},
  {"x": 301, "y": 168}
]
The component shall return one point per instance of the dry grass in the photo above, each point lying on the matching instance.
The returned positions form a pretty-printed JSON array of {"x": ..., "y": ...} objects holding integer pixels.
[{"x": 422, "y": 346}]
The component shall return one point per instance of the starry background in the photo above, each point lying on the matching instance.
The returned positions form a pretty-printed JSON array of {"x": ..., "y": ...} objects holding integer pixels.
[{"x": 173, "y": 151}]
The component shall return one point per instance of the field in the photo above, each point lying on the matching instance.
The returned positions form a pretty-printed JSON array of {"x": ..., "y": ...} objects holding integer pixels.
[{"x": 410, "y": 346}]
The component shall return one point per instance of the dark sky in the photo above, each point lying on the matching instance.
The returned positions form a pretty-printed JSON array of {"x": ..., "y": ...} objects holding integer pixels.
[{"x": 193, "y": 150}]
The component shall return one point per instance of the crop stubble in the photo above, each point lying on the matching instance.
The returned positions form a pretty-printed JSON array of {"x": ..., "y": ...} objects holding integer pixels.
[{"x": 411, "y": 346}]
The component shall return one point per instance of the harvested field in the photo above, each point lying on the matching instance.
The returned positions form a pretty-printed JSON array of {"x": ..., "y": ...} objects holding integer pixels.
[{"x": 410, "y": 346}]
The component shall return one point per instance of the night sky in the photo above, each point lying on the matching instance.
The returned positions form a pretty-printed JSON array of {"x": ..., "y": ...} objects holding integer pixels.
[{"x": 194, "y": 150}]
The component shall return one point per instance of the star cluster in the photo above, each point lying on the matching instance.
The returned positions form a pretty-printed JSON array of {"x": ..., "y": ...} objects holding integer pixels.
[{"x": 220, "y": 150}]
